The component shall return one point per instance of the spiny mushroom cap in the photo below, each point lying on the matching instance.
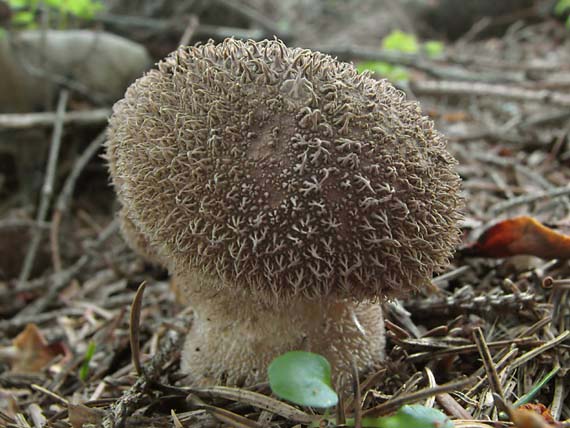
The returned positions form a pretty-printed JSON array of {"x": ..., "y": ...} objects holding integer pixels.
[
  {"x": 137, "y": 240},
  {"x": 284, "y": 172}
]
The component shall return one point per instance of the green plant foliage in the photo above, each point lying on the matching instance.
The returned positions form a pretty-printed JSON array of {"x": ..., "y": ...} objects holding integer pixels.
[
  {"x": 433, "y": 48},
  {"x": 85, "y": 9},
  {"x": 84, "y": 370},
  {"x": 393, "y": 73},
  {"x": 412, "y": 416},
  {"x": 416, "y": 416},
  {"x": 529, "y": 396},
  {"x": 401, "y": 42},
  {"x": 24, "y": 18},
  {"x": 303, "y": 378},
  {"x": 25, "y": 11},
  {"x": 20, "y": 3},
  {"x": 561, "y": 8}
]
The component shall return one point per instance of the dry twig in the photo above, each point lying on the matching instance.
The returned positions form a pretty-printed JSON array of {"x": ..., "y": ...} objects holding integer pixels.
[
  {"x": 47, "y": 189},
  {"x": 45, "y": 119}
]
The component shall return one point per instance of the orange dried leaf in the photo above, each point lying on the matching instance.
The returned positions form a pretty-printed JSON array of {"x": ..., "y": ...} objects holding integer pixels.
[
  {"x": 31, "y": 351},
  {"x": 523, "y": 418},
  {"x": 540, "y": 409},
  {"x": 520, "y": 236}
]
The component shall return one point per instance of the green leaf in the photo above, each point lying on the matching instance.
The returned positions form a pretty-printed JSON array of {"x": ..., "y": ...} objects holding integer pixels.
[
  {"x": 23, "y": 18},
  {"x": 561, "y": 7},
  {"x": 85, "y": 9},
  {"x": 303, "y": 378},
  {"x": 416, "y": 416},
  {"x": 527, "y": 398},
  {"x": 379, "y": 67},
  {"x": 56, "y": 4},
  {"x": 84, "y": 370},
  {"x": 398, "y": 74},
  {"x": 433, "y": 48},
  {"x": 394, "y": 73},
  {"x": 402, "y": 42},
  {"x": 18, "y": 4}
]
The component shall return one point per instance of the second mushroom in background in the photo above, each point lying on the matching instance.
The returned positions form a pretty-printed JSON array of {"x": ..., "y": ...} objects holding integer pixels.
[{"x": 288, "y": 195}]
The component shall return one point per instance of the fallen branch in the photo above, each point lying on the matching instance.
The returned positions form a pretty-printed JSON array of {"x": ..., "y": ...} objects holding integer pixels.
[
  {"x": 64, "y": 198},
  {"x": 169, "y": 26},
  {"x": 432, "y": 87},
  {"x": 33, "y": 120},
  {"x": 47, "y": 188},
  {"x": 418, "y": 62},
  {"x": 517, "y": 201}
]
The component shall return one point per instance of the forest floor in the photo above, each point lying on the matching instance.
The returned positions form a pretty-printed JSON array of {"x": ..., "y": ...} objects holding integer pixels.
[{"x": 493, "y": 328}]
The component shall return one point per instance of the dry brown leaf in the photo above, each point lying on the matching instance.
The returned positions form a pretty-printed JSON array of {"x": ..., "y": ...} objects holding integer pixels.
[
  {"x": 520, "y": 236},
  {"x": 30, "y": 351}
]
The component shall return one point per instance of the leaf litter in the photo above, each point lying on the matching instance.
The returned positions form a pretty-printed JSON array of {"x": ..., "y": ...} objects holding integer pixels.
[{"x": 494, "y": 326}]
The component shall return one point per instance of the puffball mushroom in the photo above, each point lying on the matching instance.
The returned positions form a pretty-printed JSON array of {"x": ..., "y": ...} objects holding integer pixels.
[{"x": 288, "y": 194}]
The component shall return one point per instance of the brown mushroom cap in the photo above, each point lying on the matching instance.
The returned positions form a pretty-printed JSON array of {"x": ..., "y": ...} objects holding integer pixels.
[{"x": 284, "y": 172}]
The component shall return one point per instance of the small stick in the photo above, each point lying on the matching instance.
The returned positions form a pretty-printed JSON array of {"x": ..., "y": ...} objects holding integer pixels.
[
  {"x": 432, "y": 384},
  {"x": 511, "y": 92},
  {"x": 253, "y": 399},
  {"x": 555, "y": 192},
  {"x": 452, "y": 407},
  {"x": 466, "y": 349},
  {"x": 47, "y": 189},
  {"x": 54, "y": 241},
  {"x": 395, "y": 403},
  {"x": 64, "y": 197},
  {"x": 134, "y": 329},
  {"x": 190, "y": 30},
  {"x": 504, "y": 357},
  {"x": 490, "y": 369},
  {"x": 557, "y": 398},
  {"x": 448, "y": 276},
  {"x": 177, "y": 423},
  {"x": 539, "y": 350},
  {"x": 49, "y": 393},
  {"x": 45, "y": 119}
]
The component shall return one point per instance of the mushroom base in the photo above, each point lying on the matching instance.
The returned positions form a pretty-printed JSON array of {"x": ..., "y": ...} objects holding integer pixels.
[{"x": 232, "y": 341}]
